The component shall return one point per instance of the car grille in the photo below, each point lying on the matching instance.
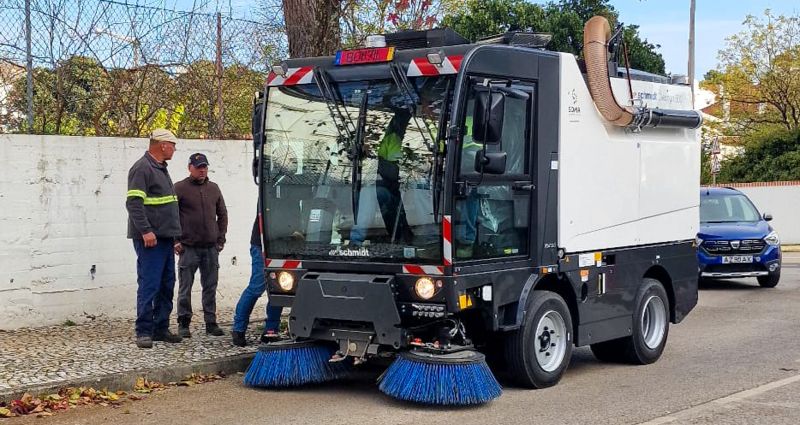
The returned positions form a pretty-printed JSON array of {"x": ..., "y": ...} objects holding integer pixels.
[{"x": 746, "y": 247}]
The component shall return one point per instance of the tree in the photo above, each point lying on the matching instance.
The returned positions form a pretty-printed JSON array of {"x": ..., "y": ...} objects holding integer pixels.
[
  {"x": 759, "y": 71},
  {"x": 564, "y": 20},
  {"x": 771, "y": 154},
  {"x": 312, "y": 27}
]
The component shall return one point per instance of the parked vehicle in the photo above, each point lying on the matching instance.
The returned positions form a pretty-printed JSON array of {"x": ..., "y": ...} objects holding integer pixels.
[{"x": 736, "y": 241}]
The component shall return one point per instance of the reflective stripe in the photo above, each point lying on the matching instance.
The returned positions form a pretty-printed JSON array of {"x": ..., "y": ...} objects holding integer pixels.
[
  {"x": 137, "y": 193},
  {"x": 161, "y": 200}
]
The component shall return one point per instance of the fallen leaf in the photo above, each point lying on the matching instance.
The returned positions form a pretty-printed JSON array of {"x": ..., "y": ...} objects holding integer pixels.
[{"x": 5, "y": 413}]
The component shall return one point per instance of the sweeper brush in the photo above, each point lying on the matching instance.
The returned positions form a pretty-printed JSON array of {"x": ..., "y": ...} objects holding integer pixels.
[
  {"x": 459, "y": 378},
  {"x": 291, "y": 364}
]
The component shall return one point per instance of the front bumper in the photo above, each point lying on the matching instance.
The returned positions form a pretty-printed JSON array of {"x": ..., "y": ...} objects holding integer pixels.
[{"x": 764, "y": 263}]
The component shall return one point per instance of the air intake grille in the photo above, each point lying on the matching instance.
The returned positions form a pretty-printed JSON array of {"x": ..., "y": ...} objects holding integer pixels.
[{"x": 734, "y": 247}]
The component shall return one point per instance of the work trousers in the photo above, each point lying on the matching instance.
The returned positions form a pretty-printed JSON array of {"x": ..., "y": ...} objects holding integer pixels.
[
  {"x": 255, "y": 288},
  {"x": 155, "y": 270},
  {"x": 207, "y": 260}
]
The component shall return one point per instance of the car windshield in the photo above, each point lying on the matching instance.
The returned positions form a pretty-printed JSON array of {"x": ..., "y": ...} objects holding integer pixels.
[
  {"x": 317, "y": 206},
  {"x": 725, "y": 208}
]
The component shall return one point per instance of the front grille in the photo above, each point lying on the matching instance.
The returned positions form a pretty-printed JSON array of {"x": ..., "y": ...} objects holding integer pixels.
[{"x": 745, "y": 247}]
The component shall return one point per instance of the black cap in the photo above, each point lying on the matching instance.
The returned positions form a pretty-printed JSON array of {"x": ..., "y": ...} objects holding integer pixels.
[{"x": 198, "y": 160}]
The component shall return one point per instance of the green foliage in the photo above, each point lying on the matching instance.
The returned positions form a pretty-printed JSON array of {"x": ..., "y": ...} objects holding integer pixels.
[
  {"x": 564, "y": 20},
  {"x": 770, "y": 155}
]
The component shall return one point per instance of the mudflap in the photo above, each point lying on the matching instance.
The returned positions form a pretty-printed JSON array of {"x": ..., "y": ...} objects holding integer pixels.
[{"x": 340, "y": 307}]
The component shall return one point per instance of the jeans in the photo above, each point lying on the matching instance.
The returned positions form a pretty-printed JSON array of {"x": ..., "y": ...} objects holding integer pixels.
[
  {"x": 254, "y": 290},
  {"x": 155, "y": 269},
  {"x": 207, "y": 260}
]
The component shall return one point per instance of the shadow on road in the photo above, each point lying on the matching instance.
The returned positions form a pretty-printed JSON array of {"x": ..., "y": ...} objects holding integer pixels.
[{"x": 723, "y": 284}]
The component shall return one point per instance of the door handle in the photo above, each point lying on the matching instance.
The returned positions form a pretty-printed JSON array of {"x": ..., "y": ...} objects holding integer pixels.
[{"x": 523, "y": 186}]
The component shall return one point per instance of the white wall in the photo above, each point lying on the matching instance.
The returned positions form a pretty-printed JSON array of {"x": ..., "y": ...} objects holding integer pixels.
[
  {"x": 783, "y": 202},
  {"x": 62, "y": 210}
]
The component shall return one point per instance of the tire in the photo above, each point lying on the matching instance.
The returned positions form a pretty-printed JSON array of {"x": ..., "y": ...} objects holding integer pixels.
[
  {"x": 650, "y": 329},
  {"x": 770, "y": 280},
  {"x": 547, "y": 322}
]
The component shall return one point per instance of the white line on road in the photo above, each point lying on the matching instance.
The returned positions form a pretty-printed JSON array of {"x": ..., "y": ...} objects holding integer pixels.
[{"x": 733, "y": 398}]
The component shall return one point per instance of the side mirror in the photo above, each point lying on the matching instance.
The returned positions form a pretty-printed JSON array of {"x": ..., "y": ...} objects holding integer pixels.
[
  {"x": 767, "y": 217},
  {"x": 487, "y": 125},
  {"x": 490, "y": 162}
]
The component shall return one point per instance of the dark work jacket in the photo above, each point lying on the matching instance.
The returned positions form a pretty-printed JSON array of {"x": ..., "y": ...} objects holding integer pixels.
[
  {"x": 151, "y": 202},
  {"x": 204, "y": 218},
  {"x": 255, "y": 236}
]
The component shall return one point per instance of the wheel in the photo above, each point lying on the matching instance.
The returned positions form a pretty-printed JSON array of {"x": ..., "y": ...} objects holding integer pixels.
[
  {"x": 649, "y": 331},
  {"x": 538, "y": 353},
  {"x": 770, "y": 280}
]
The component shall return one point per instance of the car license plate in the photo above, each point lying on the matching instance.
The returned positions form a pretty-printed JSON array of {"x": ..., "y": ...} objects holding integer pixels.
[{"x": 737, "y": 259}]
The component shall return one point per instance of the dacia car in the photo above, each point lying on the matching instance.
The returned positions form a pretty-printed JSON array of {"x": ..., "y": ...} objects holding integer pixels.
[{"x": 735, "y": 240}]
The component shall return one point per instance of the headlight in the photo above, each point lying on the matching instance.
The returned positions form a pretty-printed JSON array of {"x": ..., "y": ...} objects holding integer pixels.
[
  {"x": 698, "y": 241},
  {"x": 773, "y": 239},
  {"x": 286, "y": 281},
  {"x": 425, "y": 288}
]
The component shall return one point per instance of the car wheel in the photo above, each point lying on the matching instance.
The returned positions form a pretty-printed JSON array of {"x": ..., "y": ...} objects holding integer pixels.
[
  {"x": 770, "y": 280},
  {"x": 649, "y": 331},
  {"x": 538, "y": 353}
]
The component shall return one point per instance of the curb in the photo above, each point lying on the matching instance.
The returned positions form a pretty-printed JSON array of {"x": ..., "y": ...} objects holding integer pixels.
[{"x": 125, "y": 380}]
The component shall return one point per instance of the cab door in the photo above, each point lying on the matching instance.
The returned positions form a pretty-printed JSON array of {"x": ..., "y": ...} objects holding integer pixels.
[{"x": 493, "y": 183}]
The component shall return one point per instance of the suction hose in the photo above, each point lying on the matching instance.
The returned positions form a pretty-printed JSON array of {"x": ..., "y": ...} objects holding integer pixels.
[{"x": 596, "y": 34}]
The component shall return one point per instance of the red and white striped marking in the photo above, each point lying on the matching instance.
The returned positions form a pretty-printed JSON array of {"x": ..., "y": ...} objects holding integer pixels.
[
  {"x": 447, "y": 236},
  {"x": 420, "y": 67},
  {"x": 304, "y": 75},
  {"x": 283, "y": 264},
  {"x": 429, "y": 270}
]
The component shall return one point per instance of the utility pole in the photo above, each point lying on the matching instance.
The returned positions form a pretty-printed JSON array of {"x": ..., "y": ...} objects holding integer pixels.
[
  {"x": 220, "y": 116},
  {"x": 691, "y": 48},
  {"x": 29, "y": 64}
]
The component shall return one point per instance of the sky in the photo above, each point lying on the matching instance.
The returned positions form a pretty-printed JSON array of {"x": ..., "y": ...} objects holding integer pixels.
[
  {"x": 666, "y": 22},
  {"x": 662, "y": 22}
]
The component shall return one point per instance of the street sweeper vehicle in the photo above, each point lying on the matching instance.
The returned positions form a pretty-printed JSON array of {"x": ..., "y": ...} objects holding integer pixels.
[{"x": 437, "y": 203}]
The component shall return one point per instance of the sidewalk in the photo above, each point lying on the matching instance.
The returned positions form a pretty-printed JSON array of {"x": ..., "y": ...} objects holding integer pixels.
[{"x": 102, "y": 354}]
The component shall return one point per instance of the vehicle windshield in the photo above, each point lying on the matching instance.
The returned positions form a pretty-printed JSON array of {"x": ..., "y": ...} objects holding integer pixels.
[
  {"x": 317, "y": 206},
  {"x": 727, "y": 208}
]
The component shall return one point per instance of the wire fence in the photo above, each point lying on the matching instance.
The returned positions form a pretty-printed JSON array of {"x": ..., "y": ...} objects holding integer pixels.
[{"x": 121, "y": 68}]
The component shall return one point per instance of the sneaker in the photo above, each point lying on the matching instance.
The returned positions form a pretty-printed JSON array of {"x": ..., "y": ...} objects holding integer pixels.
[
  {"x": 144, "y": 342},
  {"x": 270, "y": 335},
  {"x": 184, "y": 332},
  {"x": 238, "y": 339},
  {"x": 214, "y": 330},
  {"x": 167, "y": 336}
]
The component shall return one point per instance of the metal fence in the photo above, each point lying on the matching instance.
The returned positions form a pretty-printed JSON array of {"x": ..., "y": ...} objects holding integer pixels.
[{"x": 109, "y": 67}]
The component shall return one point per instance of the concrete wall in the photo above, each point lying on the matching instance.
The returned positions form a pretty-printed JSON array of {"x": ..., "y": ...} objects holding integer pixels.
[
  {"x": 782, "y": 200},
  {"x": 62, "y": 211}
]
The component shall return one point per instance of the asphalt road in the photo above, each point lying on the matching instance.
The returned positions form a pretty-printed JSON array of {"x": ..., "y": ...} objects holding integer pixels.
[{"x": 735, "y": 359}]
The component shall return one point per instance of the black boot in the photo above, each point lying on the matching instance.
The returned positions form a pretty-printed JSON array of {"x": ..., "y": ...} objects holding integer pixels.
[
  {"x": 167, "y": 336},
  {"x": 214, "y": 330},
  {"x": 238, "y": 339},
  {"x": 183, "y": 328}
]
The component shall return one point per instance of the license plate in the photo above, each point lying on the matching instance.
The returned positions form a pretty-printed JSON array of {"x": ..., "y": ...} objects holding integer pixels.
[{"x": 737, "y": 259}]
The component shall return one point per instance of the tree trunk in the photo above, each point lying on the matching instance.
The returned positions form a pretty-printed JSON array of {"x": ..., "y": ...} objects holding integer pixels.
[{"x": 312, "y": 27}]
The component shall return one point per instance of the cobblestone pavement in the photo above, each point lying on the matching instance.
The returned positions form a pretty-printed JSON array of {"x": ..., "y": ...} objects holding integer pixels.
[{"x": 36, "y": 357}]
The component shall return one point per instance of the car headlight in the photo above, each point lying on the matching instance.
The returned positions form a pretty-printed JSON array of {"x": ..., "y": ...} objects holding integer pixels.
[
  {"x": 285, "y": 281},
  {"x": 425, "y": 288},
  {"x": 773, "y": 239},
  {"x": 698, "y": 241}
]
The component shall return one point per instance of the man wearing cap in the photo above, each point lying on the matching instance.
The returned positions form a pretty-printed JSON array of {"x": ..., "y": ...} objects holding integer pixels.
[
  {"x": 153, "y": 225},
  {"x": 204, "y": 222}
]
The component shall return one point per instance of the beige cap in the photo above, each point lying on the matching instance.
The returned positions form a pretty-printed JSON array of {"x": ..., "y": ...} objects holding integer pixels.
[{"x": 163, "y": 135}]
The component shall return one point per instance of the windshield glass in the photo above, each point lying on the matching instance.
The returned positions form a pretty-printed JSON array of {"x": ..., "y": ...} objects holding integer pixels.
[
  {"x": 318, "y": 206},
  {"x": 721, "y": 208}
]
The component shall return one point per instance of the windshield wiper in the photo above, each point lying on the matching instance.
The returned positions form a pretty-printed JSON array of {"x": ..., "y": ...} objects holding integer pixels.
[
  {"x": 401, "y": 81},
  {"x": 340, "y": 120},
  {"x": 356, "y": 154}
]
